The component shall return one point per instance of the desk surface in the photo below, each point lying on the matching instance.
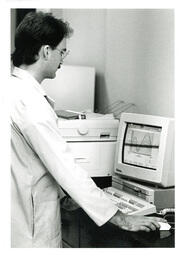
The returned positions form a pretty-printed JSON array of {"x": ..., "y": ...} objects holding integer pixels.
[{"x": 78, "y": 230}]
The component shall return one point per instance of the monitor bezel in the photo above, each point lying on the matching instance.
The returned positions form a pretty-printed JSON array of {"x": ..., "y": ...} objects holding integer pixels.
[{"x": 159, "y": 176}]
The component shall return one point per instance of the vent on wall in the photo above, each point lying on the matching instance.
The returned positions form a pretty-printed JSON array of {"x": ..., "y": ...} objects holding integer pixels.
[{"x": 118, "y": 107}]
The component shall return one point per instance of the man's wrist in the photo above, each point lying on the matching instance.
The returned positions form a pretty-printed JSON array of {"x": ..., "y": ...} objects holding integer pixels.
[{"x": 118, "y": 218}]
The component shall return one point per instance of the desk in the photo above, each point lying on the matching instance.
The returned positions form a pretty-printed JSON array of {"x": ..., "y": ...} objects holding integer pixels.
[{"x": 79, "y": 231}]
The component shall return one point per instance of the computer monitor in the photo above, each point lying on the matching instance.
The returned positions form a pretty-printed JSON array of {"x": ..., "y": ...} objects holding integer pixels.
[{"x": 145, "y": 149}]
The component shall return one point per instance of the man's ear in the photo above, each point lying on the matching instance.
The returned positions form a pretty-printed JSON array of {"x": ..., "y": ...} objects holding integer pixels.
[{"x": 45, "y": 51}]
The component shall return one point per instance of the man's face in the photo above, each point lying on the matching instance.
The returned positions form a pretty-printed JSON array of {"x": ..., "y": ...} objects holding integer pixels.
[{"x": 56, "y": 59}]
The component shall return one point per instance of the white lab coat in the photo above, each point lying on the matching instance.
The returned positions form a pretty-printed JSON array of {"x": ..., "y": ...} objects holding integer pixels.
[{"x": 40, "y": 162}]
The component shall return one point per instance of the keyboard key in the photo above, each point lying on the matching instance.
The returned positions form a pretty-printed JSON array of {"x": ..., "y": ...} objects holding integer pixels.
[
  {"x": 131, "y": 201},
  {"x": 117, "y": 195}
]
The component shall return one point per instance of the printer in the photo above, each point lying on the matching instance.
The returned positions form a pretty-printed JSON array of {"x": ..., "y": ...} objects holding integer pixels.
[{"x": 92, "y": 142}]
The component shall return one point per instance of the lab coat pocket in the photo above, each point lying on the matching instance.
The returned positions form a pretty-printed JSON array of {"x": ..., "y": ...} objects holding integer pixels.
[{"x": 47, "y": 221}]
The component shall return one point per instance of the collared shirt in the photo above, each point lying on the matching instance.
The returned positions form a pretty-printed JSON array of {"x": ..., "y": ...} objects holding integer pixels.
[{"x": 41, "y": 161}]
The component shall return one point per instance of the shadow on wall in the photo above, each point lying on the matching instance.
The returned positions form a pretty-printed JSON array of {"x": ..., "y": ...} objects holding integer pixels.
[{"x": 100, "y": 89}]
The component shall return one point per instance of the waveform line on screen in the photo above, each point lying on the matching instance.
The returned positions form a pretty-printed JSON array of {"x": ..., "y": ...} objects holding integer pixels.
[{"x": 141, "y": 146}]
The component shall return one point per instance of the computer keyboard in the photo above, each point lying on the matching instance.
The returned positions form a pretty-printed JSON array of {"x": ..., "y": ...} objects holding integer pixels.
[{"x": 129, "y": 204}]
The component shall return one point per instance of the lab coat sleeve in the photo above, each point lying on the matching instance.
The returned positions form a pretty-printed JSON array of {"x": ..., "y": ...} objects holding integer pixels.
[{"x": 42, "y": 133}]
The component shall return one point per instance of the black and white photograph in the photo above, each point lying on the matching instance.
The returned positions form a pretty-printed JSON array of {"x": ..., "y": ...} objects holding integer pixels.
[{"x": 91, "y": 119}]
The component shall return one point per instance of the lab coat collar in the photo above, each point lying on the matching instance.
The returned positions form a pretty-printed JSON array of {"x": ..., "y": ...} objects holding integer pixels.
[{"x": 23, "y": 74}]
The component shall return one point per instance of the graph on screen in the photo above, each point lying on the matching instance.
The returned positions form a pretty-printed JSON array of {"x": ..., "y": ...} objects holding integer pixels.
[{"x": 141, "y": 144}]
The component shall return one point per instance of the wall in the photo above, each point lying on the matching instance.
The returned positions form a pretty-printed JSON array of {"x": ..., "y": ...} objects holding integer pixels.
[
  {"x": 13, "y": 28},
  {"x": 139, "y": 59},
  {"x": 133, "y": 52}
]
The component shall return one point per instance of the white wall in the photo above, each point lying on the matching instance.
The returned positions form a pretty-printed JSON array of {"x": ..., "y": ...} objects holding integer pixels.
[
  {"x": 133, "y": 53},
  {"x": 139, "y": 59}
]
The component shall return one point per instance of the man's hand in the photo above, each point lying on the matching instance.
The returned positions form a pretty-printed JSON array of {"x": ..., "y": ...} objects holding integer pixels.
[{"x": 135, "y": 222}]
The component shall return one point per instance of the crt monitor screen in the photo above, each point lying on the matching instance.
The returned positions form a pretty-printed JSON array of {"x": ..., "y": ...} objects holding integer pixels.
[{"x": 141, "y": 145}]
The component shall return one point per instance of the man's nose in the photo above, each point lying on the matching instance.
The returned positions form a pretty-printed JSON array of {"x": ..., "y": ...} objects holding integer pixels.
[{"x": 61, "y": 62}]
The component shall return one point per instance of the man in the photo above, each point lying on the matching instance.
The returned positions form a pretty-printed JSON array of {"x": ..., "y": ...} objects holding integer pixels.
[{"x": 41, "y": 160}]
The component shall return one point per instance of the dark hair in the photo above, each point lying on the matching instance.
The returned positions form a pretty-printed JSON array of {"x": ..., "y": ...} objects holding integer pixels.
[{"x": 35, "y": 30}]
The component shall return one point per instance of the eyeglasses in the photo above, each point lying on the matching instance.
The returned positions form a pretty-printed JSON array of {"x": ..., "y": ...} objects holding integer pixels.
[{"x": 63, "y": 53}]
